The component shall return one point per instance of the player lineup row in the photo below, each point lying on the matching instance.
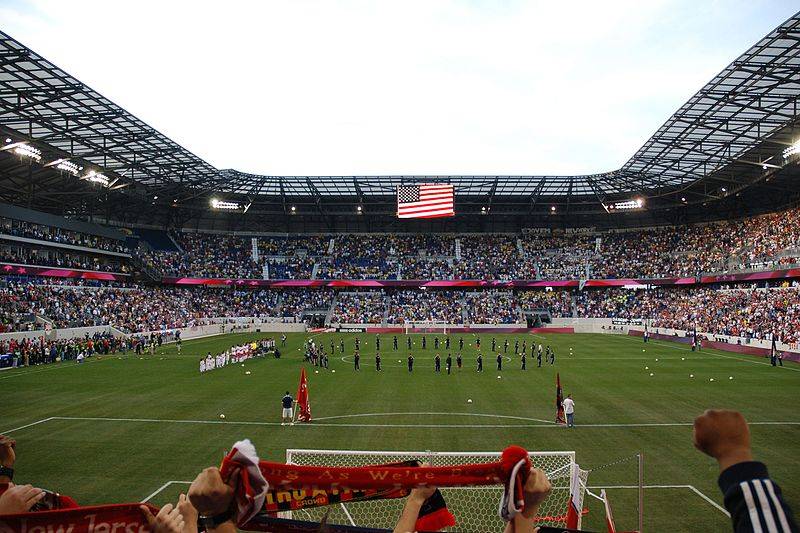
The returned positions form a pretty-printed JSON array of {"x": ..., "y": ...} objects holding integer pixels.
[
  {"x": 316, "y": 355},
  {"x": 437, "y": 344}
]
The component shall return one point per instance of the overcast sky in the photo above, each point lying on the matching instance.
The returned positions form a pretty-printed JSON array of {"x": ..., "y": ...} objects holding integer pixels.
[{"x": 403, "y": 87}]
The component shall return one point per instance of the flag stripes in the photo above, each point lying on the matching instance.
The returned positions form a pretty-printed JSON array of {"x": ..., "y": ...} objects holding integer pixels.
[{"x": 426, "y": 200}]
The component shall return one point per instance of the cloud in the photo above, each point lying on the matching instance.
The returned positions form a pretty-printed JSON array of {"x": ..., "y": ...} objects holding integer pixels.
[{"x": 412, "y": 87}]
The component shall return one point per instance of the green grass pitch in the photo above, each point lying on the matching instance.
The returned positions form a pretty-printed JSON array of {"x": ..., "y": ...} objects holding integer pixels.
[{"x": 162, "y": 402}]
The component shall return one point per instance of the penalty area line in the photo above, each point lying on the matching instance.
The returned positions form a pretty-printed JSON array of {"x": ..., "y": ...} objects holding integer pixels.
[
  {"x": 163, "y": 487},
  {"x": 43, "y": 420},
  {"x": 689, "y": 487}
]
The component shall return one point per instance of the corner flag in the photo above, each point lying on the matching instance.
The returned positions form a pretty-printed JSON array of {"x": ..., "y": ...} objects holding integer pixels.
[
  {"x": 304, "y": 407},
  {"x": 559, "y": 401}
]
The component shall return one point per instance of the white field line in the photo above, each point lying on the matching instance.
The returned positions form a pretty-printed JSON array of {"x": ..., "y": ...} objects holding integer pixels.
[
  {"x": 690, "y": 487},
  {"x": 162, "y": 487},
  {"x": 6, "y": 432},
  {"x": 424, "y": 426},
  {"x": 733, "y": 357},
  {"x": 360, "y": 415}
]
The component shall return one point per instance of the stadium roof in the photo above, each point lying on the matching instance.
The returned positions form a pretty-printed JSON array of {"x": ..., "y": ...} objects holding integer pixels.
[{"x": 728, "y": 138}]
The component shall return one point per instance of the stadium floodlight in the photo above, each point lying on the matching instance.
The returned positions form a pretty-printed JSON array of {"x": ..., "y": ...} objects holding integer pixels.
[
  {"x": 66, "y": 165},
  {"x": 627, "y": 205},
  {"x": 97, "y": 177},
  {"x": 792, "y": 150},
  {"x": 226, "y": 206},
  {"x": 552, "y": 209},
  {"x": 24, "y": 150}
]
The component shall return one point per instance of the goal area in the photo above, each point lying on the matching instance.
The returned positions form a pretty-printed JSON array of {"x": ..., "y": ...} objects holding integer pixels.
[{"x": 475, "y": 508}]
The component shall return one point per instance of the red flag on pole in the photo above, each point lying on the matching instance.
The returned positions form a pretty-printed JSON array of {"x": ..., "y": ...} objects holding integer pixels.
[
  {"x": 304, "y": 407},
  {"x": 559, "y": 401}
]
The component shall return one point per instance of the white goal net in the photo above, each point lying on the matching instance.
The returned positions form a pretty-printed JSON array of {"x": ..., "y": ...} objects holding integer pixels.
[{"x": 475, "y": 508}]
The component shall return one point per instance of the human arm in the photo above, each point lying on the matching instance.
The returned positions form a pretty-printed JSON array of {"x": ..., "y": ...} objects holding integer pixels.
[
  {"x": 8, "y": 456},
  {"x": 408, "y": 518},
  {"x": 212, "y": 496},
  {"x": 19, "y": 499},
  {"x": 754, "y": 501},
  {"x": 536, "y": 490}
]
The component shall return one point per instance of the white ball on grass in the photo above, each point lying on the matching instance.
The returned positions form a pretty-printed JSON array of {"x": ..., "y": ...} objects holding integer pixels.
[
  {"x": 498, "y": 377},
  {"x": 651, "y": 374},
  {"x": 656, "y": 359},
  {"x": 222, "y": 416},
  {"x": 316, "y": 371},
  {"x": 399, "y": 361},
  {"x": 247, "y": 373},
  {"x": 647, "y": 368},
  {"x": 691, "y": 375},
  {"x": 469, "y": 400},
  {"x": 730, "y": 377},
  {"x": 334, "y": 371},
  {"x": 710, "y": 379},
  {"x": 242, "y": 364},
  {"x": 683, "y": 359}
]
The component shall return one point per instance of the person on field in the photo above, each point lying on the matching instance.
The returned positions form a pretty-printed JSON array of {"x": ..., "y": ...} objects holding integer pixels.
[
  {"x": 448, "y": 363},
  {"x": 480, "y": 363},
  {"x": 410, "y": 363},
  {"x": 357, "y": 361},
  {"x": 437, "y": 363},
  {"x": 569, "y": 410},
  {"x": 287, "y": 402}
]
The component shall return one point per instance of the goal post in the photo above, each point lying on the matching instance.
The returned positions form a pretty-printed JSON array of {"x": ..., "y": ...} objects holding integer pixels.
[{"x": 475, "y": 508}]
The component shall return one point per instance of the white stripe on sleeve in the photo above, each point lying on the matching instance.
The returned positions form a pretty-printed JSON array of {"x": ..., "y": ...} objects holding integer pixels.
[
  {"x": 755, "y": 521},
  {"x": 778, "y": 507},
  {"x": 766, "y": 510}
]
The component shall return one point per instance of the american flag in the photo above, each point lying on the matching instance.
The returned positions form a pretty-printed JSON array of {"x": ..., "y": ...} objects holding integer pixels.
[{"x": 425, "y": 200}]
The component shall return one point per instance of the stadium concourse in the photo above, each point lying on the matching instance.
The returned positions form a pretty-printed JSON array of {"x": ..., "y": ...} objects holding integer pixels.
[{"x": 430, "y": 321}]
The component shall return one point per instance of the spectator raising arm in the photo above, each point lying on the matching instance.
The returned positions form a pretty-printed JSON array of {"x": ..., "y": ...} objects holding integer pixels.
[{"x": 753, "y": 499}]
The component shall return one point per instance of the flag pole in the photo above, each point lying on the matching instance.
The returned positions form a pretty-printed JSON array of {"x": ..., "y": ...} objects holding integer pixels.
[{"x": 640, "y": 455}]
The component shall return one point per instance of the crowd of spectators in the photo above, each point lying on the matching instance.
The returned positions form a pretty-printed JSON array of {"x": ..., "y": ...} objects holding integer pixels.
[
  {"x": 355, "y": 268},
  {"x": 685, "y": 251},
  {"x": 309, "y": 245},
  {"x": 558, "y": 303},
  {"x": 30, "y": 230},
  {"x": 208, "y": 255},
  {"x": 294, "y": 301},
  {"x": 492, "y": 307},
  {"x": 422, "y": 306},
  {"x": 53, "y": 257},
  {"x": 365, "y": 307}
]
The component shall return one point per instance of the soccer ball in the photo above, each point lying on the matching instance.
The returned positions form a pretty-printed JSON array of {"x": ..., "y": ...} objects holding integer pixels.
[
  {"x": 710, "y": 379},
  {"x": 691, "y": 375},
  {"x": 647, "y": 368},
  {"x": 469, "y": 400},
  {"x": 499, "y": 377},
  {"x": 730, "y": 377},
  {"x": 656, "y": 359},
  {"x": 222, "y": 416},
  {"x": 683, "y": 359},
  {"x": 334, "y": 371},
  {"x": 243, "y": 363},
  {"x": 399, "y": 361},
  {"x": 316, "y": 371},
  {"x": 651, "y": 374},
  {"x": 247, "y": 373}
]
